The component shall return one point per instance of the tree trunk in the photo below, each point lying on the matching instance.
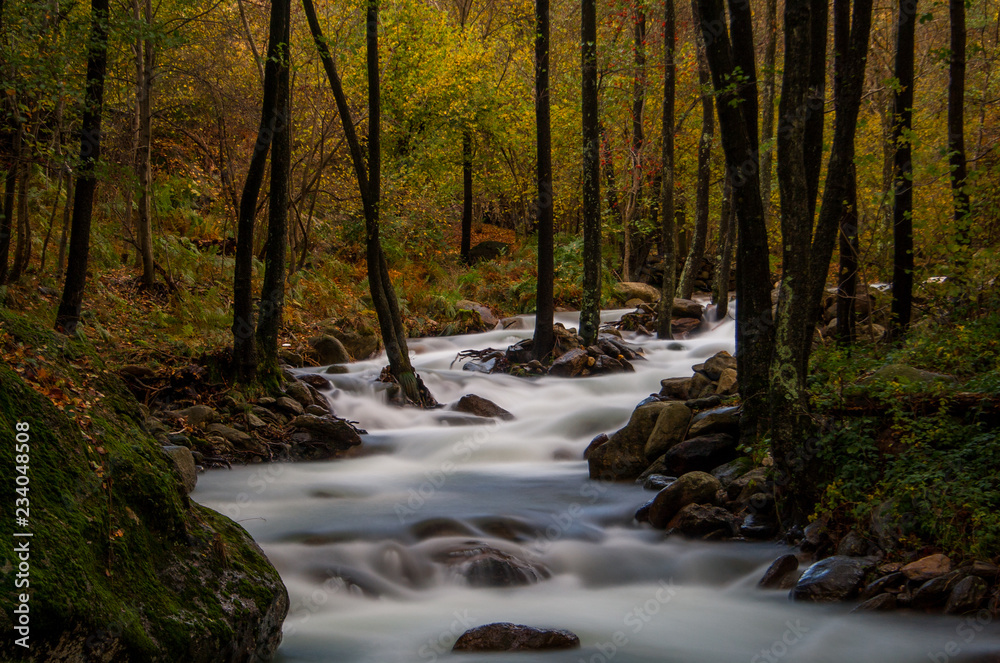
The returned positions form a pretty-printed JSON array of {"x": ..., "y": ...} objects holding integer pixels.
[
  {"x": 697, "y": 252},
  {"x": 768, "y": 95},
  {"x": 272, "y": 295},
  {"x": 902, "y": 208},
  {"x": 634, "y": 256},
  {"x": 22, "y": 250},
  {"x": 466, "y": 194},
  {"x": 9, "y": 200},
  {"x": 668, "y": 227},
  {"x": 71, "y": 304},
  {"x": 737, "y": 111},
  {"x": 244, "y": 339},
  {"x": 544, "y": 305},
  {"x": 590, "y": 309},
  {"x": 727, "y": 238},
  {"x": 67, "y": 216},
  {"x": 815, "y": 120},
  {"x": 144, "y": 81},
  {"x": 956, "y": 126}
]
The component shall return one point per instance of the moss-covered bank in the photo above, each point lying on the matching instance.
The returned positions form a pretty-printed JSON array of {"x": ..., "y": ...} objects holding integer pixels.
[{"x": 123, "y": 566}]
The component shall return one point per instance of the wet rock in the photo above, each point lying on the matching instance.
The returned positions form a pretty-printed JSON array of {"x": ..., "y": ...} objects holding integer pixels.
[
  {"x": 706, "y": 403},
  {"x": 183, "y": 461},
  {"x": 815, "y": 536},
  {"x": 832, "y": 579},
  {"x": 878, "y": 603},
  {"x": 268, "y": 416},
  {"x": 701, "y": 386},
  {"x": 759, "y": 526},
  {"x": 315, "y": 381},
  {"x": 318, "y": 410},
  {"x": 892, "y": 583},
  {"x": 691, "y": 488},
  {"x": 670, "y": 429},
  {"x": 967, "y": 595},
  {"x": 439, "y": 527},
  {"x": 734, "y": 469},
  {"x": 753, "y": 481},
  {"x": 513, "y": 323},
  {"x": 485, "y": 566},
  {"x": 622, "y": 457},
  {"x": 985, "y": 570},
  {"x": 504, "y": 636},
  {"x": 700, "y": 453},
  {"x": 718, "y": 363},
  {"x": 521, "y": 352},
  {"x": 675, "y": 388},
  {"x": 596, "y": 442},
  {"x": 235, "y": 437},
  {"x": 300, "y": 392},
  {"x": 605, "y": 365},
  {"x": 289, "y": 405},
  {"x": 570, "y": 364},
  {"x": 936, "y": 591},
  {"x": 684, "y": 327},
  {"x": 198, "y": 415},
  {"x": 782, "y": 574},
  {"x": 720, "y": 420},
  {"x": 685, "y": 308},
  {"x": 642, "y": 513},
  {"x": 699, "y": 520},
  {"x": 481, "y": 407},
  {"x": 635, "y": 290},
  {"x": 336, "y": 369},
  {"x": 657, "y": 482},
  {"x": 321, "y": 438},
  {"x": 928, "y": 567}
]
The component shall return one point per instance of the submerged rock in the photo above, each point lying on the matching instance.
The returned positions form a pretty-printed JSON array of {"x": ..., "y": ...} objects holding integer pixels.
[
  {"x": 782, "y": 574},
  {"x": 832, "y": 579},
  {"x": 504, "y": 636},
  {"x": 484, "y": 566},
  {"x": 481, "y": 407},
  {"x": 321, "y": 438},
  {"x": 699, "y": 520}
]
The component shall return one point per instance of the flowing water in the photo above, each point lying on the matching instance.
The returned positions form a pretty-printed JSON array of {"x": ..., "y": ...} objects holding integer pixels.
[{"x": 358, "y": 542}]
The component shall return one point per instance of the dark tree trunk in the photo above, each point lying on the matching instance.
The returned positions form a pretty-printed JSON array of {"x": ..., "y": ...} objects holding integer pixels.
[
  {"x": 68, "y": 316},
  {"x": 466, "y": 195},
  {"x": 22, "y": 250},
  {"x": 67, "y": 217},
  {"x": 590, "y": 309},
  {"x": 272, "y": 295},
  {"x": 668, "y": 228},
  {"x": 815, "y": 119},
  {"x": 7, "y": 225},
  {"x": 902, "y": 208},
  {"x": 544, "y": 305},
  {"x": 634, "y": 255},
  {"x": 956, "y": 124},
  {"x": 768, "y": 94},
  {"x": 244, "y": 339},
  {"x": 611, "y": 182},
  {"x": 737, "y": 111},
  {"x": 697, "y": 252},
  {"x": 144, "y": 83},
  {"x": 727, "y": 238}
]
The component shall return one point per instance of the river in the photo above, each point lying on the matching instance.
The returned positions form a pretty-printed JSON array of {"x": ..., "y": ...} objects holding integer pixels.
[{"x": 357, "y": 542}]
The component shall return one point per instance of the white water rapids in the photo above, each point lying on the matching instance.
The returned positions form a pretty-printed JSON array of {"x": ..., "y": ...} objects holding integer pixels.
[{"x": 355, "y": 540}]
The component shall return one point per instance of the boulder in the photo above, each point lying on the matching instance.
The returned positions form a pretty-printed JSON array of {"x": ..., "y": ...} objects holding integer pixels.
[
  {"x": 570, "y": 364},
  {"x": 605, "y": 365},
  {"x": 700, "y": 386},
  {"x": 685, "y": 308},
  {"x": 488, "y": 250},
  {"x": 289, "y": 405},
  {"x": 321, "y": 438},
  {"x": 635, "y": 290},
  {"x": 700, "y": 453},
  {"x": 985, "y": 570},
  {"x": 703, "y": 521},
  {"x": 691, "y": 488},
  {"x": 720, "y": 420},
  {"x": 892, "y": 583},
  {"x": 300, "y": 392},
  {"x": 926, "y": 568},
  {"x": 878, "y": 603},
  {"x": 753, "y": 481},
  {"x": 967, "y": 595},
  {"x": 487, "y": 316},
  {"x": 480, "y": 565},
  {"x": 198, "y": 415},
  {"x": 675, "y": 388},
  {"x": 329, "y": 350},
  {"x": 237, "y": 438},
  {"x": 504, "y": 636},
  {"x": 656, "y": 482},
  {"x": 732, "y": 470},
  {"x": 936, "y": 591},
  {"x": 682, "y": 327},
  {"x": 481, "y": 407},
  {"x": 729, "y": 383},
  {"x": 782, "y": 574},
  {"x": 623, "y": 457},
  {"x": 855, "y": 545},
  {"x": 670, "y": 429},
  {"x": 718, "y": 363},
  {"x": 183, "y": 462},
  {"x": 832, "y": 579},
  {"x": 596, "y": 442},
  {"x": 315, "y": 381}
]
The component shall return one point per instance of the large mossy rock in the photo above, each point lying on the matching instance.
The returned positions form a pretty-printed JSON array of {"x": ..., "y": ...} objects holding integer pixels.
[
  {"x": 124, "y": 567},
  {"x": 623, "y": 456}
]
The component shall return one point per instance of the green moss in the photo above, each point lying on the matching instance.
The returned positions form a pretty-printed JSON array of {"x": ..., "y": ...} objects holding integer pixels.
[{"x": 120, "y": 556}]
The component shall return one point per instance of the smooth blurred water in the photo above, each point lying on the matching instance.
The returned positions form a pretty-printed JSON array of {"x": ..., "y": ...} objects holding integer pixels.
[{"x": 356, "y": 540}]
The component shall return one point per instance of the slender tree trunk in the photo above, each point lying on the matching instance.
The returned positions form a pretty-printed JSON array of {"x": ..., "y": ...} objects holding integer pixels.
[
  {"x": 590, "y": 310},
  {"x": 697, "y": 252},
  {"x": 71, "y": 304},
  {"x": 737, "y": 111},
  {"x": 22, "y": 250},
  {"x": 244, "y": 339},
  {"x": 815, "y": 120},
  {"x": 67, "y": 217},
  {"x": 634, "y": 255},
  {"x": 902, "y": 209},
  {"x": 544, "y": 305},
  {"x": 144, "y": 78},
  {"x": 272, "y": 295},
  {"x": 668, "y": 228},
  {"x": 727, "y": 238},
  {"x": 956, "y": 124},
  {"x": 768, "y": 95},
  {"x": 9, "y": 200},
  {"x": 466, "y": 194},
  {"x": 52, "y": 222}
]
